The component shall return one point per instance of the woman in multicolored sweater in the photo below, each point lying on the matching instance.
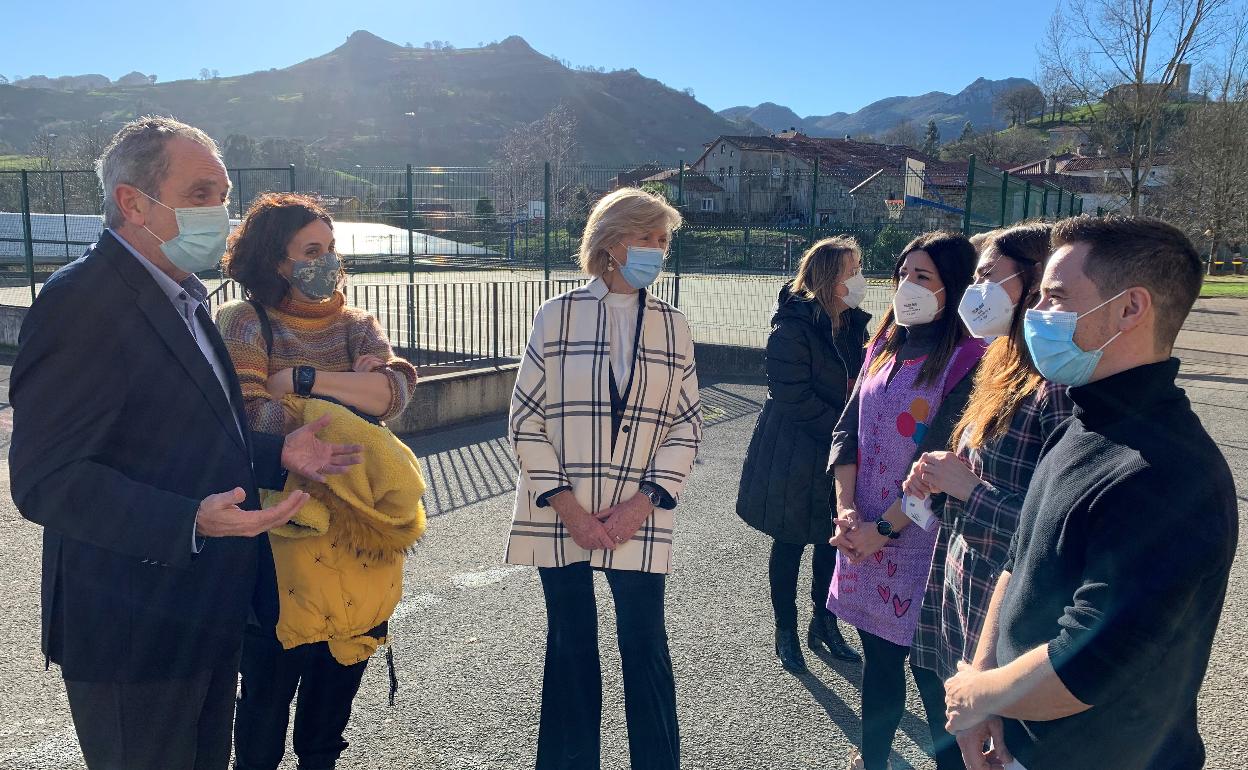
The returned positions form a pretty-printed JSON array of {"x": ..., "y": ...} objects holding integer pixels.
[{"x": 296, "y": 339}]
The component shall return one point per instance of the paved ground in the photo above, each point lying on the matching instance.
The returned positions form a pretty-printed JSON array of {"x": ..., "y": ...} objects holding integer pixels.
[{"x": 470, "y": 629}]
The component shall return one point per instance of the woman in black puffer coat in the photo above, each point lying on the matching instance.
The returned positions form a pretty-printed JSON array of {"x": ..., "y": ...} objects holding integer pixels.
[{"x": 813, "y": 355}]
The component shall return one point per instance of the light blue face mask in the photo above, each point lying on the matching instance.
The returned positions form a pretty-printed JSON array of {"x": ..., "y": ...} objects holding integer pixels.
[
  {"x": 643, "y": 266},
  {"x": 1050, "y": 336},
  {"x": 200, "y": 242}
]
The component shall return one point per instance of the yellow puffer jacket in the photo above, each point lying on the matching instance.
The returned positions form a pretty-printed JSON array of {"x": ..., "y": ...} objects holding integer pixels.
[{"x": 340, "y": 560}]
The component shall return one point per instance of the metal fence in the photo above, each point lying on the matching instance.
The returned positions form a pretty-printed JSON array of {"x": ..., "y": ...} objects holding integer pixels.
[
  {"x": 464, "y": 323},
  {"x": 416, "y": 221}
]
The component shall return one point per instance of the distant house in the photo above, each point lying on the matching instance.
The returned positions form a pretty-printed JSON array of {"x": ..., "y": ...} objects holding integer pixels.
[
  {"x": 769, "y": 178},
  {"x": 701, "y": 195},
  {"x": 635, "y": 177},
  {"x": 1100, "y": 180}
]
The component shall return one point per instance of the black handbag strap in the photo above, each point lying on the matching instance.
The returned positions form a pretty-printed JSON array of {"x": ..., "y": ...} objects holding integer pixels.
[{"x": 266, "y": 328}]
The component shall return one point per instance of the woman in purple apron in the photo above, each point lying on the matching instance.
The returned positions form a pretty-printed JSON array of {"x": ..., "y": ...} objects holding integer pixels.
[{"x": 910, "y": 394}]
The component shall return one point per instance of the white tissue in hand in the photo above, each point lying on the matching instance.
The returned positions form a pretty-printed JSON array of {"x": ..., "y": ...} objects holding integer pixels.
[{"x": 919, "y": 510}]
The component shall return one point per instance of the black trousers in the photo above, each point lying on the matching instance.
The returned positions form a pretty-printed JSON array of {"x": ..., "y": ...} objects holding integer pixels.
[
  {"x": 270, "y": 677},
  {"x": 782, "y": 569},
  {"x": 884, "y": 701},
  {"x": 181, "y": 724},
  {"x": 569, "y": 734}
]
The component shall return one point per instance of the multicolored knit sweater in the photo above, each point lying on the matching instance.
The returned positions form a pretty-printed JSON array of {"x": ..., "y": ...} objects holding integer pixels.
[{"x": 326, "y": 335}]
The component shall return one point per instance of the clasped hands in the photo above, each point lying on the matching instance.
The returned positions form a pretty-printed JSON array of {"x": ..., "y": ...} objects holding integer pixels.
[
  {"x": 972, "y": 724},
  {"x": 607, "y": 529},
  {"x": 852, "y": 538}
]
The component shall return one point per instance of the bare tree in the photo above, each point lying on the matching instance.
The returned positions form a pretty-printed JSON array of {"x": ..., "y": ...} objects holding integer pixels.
[
  {"x": 1122, "y": 60},
  {"x": 518, "y": 166},
  {"x": 905, "y": 133},
  {"x": 1206, "y": 195},
  {"x": 1019, "y": 104}
]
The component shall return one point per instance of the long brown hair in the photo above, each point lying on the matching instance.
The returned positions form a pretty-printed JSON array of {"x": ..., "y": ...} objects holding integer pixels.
[
  {"x": 1006, "y": 376},
  {"x": 954, "y": 258},
  {"x": 819, "y": 272}
]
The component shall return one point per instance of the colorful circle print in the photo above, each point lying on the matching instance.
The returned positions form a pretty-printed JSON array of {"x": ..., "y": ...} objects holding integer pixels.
[{"x": 912, "y": 424}]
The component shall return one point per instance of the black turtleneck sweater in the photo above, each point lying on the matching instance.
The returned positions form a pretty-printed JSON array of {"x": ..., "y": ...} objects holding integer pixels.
[{"x": 1120, "y": 565}]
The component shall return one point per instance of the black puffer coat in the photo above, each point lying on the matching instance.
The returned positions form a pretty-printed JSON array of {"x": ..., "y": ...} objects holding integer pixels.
[{"x": 784, "y": 485}]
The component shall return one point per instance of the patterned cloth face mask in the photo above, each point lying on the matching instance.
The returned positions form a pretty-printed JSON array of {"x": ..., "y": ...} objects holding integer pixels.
[{"x": 317, "y": 278}]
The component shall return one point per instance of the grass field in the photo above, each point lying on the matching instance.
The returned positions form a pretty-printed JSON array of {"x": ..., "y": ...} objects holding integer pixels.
[
  {"x": 1225, "y": 286},
  {"x": 18, "y": 162}
]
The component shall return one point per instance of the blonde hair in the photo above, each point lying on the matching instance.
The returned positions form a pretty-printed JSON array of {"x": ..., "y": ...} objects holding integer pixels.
[
  {"x": 625, "y": 213},
  {"x": 819, "y": 272}
]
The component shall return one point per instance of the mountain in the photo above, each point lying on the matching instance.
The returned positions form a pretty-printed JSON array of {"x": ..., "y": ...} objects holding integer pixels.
[
  {"x": 370, "y": 101},
  {"x": 950, "y": 111}
]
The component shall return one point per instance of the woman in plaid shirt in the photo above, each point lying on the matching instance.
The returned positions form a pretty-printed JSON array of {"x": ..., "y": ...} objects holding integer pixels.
[
  {"x": 1012, "y": 411},
  {"x": 605, "y": 422}
]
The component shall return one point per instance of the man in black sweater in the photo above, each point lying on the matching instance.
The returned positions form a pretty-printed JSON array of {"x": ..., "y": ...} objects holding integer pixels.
[{"x": 1099, "y": 631}]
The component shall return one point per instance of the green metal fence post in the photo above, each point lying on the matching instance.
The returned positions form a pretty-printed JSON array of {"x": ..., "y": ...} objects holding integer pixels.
[
  {"x": 1060, "y": 194},
  {"x": 546, "y": 209},
  {"x": 1044, "y": 202},
  {"x": 28, "y": 237},
  {"x": 1079, "y": 210},
  {"x": 1100, "y": 212},
  {"x": 1005, "y": 194},
  {"x": 411, "y": 266},
  {"x": 1027, "y": 201},
  {"x": 814, "y": 202},
  {"x": 680, "y": 187},
  {"x": 290, "y": 178},
  {"x": 970, "y": 187},
  {"x": 64, "y": 215}
]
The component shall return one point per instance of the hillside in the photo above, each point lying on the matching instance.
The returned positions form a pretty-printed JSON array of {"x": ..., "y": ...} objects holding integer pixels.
[
  {"x": 370, "y": 101},
  {"x": 950, "y": 111}
]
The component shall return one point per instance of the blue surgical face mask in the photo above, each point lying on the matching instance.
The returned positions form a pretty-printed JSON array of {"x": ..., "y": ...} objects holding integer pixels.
[
  {"x": 1050, "y": 336},
  {"x": 200, "y": 242},
  {"x": 643, "y": 266}
]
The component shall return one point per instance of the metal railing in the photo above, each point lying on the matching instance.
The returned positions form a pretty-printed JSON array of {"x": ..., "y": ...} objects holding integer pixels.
[{"x": 476, "y": 323}]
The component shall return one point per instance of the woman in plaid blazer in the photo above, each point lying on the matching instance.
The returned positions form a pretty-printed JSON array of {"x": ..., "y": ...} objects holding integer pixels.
[{"x": 605, "y": 422}]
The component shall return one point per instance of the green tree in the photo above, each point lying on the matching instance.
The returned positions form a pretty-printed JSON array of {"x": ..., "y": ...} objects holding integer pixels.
[
  {"x": 239, "y": 151},
  {"x": 931, "y": 140},
  {"x": 888, "y": 244},
  {"x": 487, "y": 219},
  {"x": 968, "y": 131}
]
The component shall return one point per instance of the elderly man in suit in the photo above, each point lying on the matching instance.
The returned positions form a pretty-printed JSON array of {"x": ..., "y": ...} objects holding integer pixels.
[{"x": 130, "y": 447}]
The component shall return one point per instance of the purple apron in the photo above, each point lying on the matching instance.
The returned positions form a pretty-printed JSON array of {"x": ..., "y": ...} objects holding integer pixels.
[{"x": 883, "y": 595}]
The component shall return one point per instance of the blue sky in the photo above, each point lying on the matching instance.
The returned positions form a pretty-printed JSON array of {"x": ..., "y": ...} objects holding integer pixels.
[{"x": 816, "y": 57}]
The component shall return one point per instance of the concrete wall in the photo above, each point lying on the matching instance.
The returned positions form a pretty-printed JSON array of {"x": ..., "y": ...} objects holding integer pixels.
[{"x": 448, "y": 399}]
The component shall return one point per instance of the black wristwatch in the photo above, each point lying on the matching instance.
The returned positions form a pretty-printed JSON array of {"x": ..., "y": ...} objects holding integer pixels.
[
  {"x": 652, "y": 492},
  {"x": 885, "y": 528},
  {"x": 304, "y": 378}
]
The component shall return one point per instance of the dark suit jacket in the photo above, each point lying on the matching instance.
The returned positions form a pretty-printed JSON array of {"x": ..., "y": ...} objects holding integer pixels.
[{"x": 120, "y": 429}]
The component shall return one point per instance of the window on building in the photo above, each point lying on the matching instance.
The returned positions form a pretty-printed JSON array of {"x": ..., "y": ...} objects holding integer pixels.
[
  {"x": 730, "y": 171},
  {"x": 708, "y": 204},
  {"x": 722, "y": 148}
]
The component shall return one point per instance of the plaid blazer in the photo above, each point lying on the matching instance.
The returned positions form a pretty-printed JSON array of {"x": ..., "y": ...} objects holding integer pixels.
[{"x": 560, "y": 428}]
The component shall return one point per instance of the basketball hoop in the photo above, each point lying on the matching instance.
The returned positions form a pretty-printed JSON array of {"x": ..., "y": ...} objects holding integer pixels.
[{"x": 895, "y": 207}]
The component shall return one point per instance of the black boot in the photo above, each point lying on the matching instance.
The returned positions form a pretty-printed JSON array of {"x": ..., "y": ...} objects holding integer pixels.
[
  {"x": 790, "y": 651},
  {"x": 823, "y": 630}
]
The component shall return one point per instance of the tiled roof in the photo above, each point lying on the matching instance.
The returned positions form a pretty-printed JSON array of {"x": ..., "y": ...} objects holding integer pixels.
[
  {"x": 693, "y": 181},
  {"x": 1101, "y": 164}
]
